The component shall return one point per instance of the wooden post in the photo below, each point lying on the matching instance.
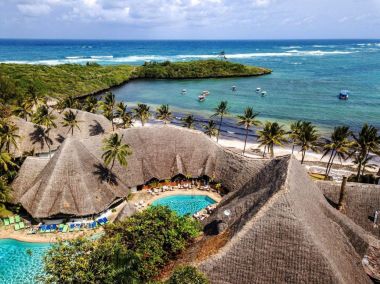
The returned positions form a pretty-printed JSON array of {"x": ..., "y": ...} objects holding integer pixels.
[{"x": 342, "y": 193}]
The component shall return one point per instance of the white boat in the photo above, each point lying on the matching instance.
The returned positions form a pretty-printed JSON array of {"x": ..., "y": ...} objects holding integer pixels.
[
  {"x": 233, "y": 88},
  {"x": 263, "y": 93},
  {"x": 184, "y": 91},
  {"x": 202, "y": 98},
  {"x": 205, "y": 93},
  {"x": 258, "y": 90}
]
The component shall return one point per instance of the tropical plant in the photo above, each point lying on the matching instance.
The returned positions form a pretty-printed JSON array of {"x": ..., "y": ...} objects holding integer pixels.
[
  {"x": 142, "y": 113},
  {"x": 221, "y": 110},
  {"x": 294, "y": 133},
  {"x": 23, "y": 109},
  {"x": 108, "y": 107},
  {"x": 272, "y": 134},
  {"x": 68, "y": 102},
  {"x": 114, "y": 149},
  {"x": 164, "y": 114},
  {"x": 8, "y": 135},
  {"x": 339, "y": 144},
  {"x": 188, "y": 121},
  {"x": 45, "y": 118},
  {"x": 187, "y": 275},
  {"x": 5, "y": 191},
  {"x": 366, "y": 141},
  {"x": 70, "y": 121},
  {"x": 211, "y": 128},
  {"x": 35, "y": 98},
  {"x": 307, "y": 138},
  {"x": 248, "y": 119},
  {"x": 6, "y": 161},
  {"x": 91, "y": 104},
  {"x": 123, "y": 113}
]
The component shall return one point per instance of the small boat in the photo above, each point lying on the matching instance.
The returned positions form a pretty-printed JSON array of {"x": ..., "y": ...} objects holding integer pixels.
[
  {"x": 233, "y": 88},
  {"x": 205, "y": 93},
  {"x": 184, "y": 91},
  {"x": 344, "y": 94},
  {"x": 263, "y": 93},
  {"x": 258, "y": 90},
  {"x": 202, "y": 98}
]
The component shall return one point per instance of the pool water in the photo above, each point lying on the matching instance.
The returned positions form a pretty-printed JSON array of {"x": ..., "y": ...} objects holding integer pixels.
[
  {"x": 21, "y": 262},
  {"x": 185, "y": 204}
]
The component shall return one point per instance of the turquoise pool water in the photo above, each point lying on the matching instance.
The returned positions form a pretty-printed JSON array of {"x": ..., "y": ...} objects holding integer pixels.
[
  {"x": 17, "y": 266},
  {"x": 185, "y": 204}
]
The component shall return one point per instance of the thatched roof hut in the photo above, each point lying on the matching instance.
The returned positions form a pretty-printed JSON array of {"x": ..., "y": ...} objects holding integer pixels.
[
  {"x": 72, "y": 183},
  {"x": 32, "y": 136},
  {"x": 282, "y": 230}
]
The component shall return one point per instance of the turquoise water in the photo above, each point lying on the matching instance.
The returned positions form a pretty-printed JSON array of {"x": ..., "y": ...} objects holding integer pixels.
[
  {"x": 307, "y": 75},
  {"x": 16, "y": 265},
  {"x": 185, "y": 204}
]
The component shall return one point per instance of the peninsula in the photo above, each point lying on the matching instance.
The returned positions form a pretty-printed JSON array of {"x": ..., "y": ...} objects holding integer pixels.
[{"x": 82, "y": 80}]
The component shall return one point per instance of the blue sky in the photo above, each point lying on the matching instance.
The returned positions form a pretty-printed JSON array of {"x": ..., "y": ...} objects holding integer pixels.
[{"x": 190, "y": 19}]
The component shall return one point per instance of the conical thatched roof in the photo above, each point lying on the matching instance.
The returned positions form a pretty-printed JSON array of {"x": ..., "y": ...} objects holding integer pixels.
[
  {"x": 73, "y": 183},
  {"x": 282, "y": 230},
  {"x": 31, "y": 135}
]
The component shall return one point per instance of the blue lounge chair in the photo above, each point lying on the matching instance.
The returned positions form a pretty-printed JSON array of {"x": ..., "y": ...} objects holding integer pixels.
[
  {"x": 54, "y": 227},
  {"x": 72, "y": 227},
  {"x": 42, "y": 229},
  {"x": 60, "y": 227},
  {"x": 77, "y": 227},
  {"x": 105, "y": 220},
  {"x": 48, "y": 229}
]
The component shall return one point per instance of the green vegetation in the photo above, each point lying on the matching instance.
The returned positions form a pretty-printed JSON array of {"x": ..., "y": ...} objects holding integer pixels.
[
  {"x": 272, "y": 134},
  {"x": 187, "y": 275},
  {"x": 131, "y": 251},
  {"x": 18, "y": 81},
  {"x": 197, "y": 69},
  {"x": 248, "y": 119}
]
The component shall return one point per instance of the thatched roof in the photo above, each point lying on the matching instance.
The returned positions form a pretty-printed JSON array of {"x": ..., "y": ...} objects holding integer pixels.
[
  {"x": 360, "y": 203},
  {"x": 73, "y": 183},
  {"x": 31, "y": 135},
  {"x": 282, "y": 230}
]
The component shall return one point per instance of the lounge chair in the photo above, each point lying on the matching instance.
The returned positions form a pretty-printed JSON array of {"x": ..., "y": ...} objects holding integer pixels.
[
  {"x": 6, "y": 221},
  {"x": 42, "y": 229},
  {"x": 22, "y": 225},
  {"x": 48, "y": 229},
  {"x": 54, "y": 227},
  {"x": 77, "y": 227},
  {"x": 65, "y": 228},
  {"x": 72, "y": 227},
  {"x": 11, "y": 220},
  {"x": 17, "y": 219},
  {"x": 17, "y": 226},
  {"x": 105, "y": 220},
  {"x": 60, "y": 227}
]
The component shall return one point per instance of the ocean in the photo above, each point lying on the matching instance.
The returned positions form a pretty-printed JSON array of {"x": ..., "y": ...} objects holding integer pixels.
[{"x": 306, "y": 80}]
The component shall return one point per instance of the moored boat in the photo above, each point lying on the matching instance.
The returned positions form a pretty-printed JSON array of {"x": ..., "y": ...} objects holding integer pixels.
[
  {"x": 205, "y": 93},
  {"x": 233, "y": 88},
  {"x": 184, "y": 91},
  {"x": 264, "y": 93},
  {"x": 258, "y": 90},
  {"x": 202, "y": 98},
  {"x": 344, "y": 94}
]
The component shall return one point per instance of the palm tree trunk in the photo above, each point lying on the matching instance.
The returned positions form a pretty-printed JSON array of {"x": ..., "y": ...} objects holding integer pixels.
[
  {"x": 245, "y": 141},
  {"x": 72, "y": 131},
  {"x": 303, "y": 156},
  {"x": 220, "y": 125},
  {"x": 113, "y": 162},
  {"x": 293, "y": 148},
  {"x": 331, "y": 163},
  {"x": 359, "y": 170},
  {"x": 328, "y": 164},
  {"x": 271, "y": 151}
]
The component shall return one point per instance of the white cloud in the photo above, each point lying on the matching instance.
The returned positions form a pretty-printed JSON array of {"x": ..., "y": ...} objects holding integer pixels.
[
  {"x": 262, "y": 3},
  {"x": 34, "y": 10}
]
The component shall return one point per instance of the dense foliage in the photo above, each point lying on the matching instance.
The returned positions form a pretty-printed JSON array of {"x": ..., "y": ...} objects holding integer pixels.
[
  {"x": 187, "y": 275},
  {"x": 131, "y": 251},
  {"x": 197, "y": 69}
]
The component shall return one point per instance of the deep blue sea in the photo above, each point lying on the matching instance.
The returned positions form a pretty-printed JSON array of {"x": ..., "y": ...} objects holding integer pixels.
[{"x": 307, "y": 75}]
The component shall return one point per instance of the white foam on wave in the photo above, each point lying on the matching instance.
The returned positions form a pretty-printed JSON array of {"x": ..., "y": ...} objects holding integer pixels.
[
  {"x": 143, "y": 58},
  {"x": 291, "y": 47}
]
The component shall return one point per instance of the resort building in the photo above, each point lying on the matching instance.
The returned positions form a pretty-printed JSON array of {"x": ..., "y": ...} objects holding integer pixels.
[{"x": 274, "y": 225}]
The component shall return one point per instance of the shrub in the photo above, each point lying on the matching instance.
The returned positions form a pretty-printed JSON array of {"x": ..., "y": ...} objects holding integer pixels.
[{"x": 187, "y": 275}]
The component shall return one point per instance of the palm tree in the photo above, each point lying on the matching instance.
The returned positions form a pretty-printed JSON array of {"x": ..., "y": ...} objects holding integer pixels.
[
  {"x": 45, "y": 118},
  {"x": 164, "y": 114},
  {"x": 307, "y": 138},
  {"x": 6, "y": 161},
  {"x": 23, "y": 109},
  {"x": 338, "y": 144},
  {"x": 366, "y": 141},
  {"x": 221, "y": 110},
  {"x": 142, "y": 113},
  {"x": 108, "y": 107},
  {"x": 248, "y": 119},
  {"x": 5, "y": 191},
  {"x": 8, "y": 135},
  {"x": 188, "y": 121},
  {"x": 70, "y": 121},
  {"x": 114, "y": 149},
  {"x": 211, "y": 128},
  {"x": 91, "y": 104},
  {"x": 272, "y": 134},
  {"x": 294, "y": 133},
  {"x": 123, "y": 113},
  {"x": 35, "y": 99},
  {"x": 68, "y": 102}
]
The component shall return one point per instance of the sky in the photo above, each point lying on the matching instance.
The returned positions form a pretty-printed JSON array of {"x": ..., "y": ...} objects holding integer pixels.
[{"x": 190, "y": 19}]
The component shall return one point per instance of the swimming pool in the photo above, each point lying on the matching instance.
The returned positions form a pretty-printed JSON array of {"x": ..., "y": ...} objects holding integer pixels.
[
  {"x": 185, "y": 204},
  {"x": 21, "y": 262}
]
